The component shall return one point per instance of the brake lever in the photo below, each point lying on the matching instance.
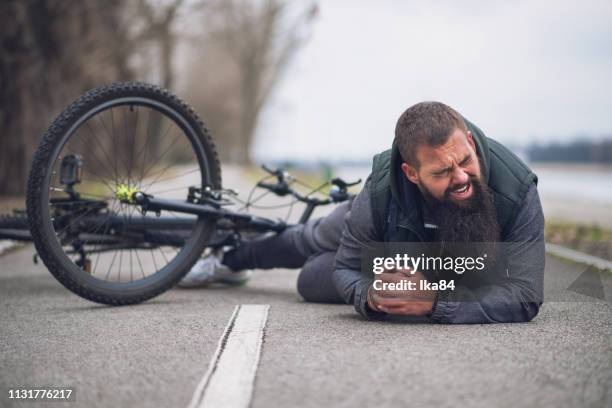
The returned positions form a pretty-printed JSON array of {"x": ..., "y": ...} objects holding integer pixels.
[
  {"x": 354, "y": 183},
  {"x": 283, "y": 177},
  {"x": 274, "y": 172},
  {"x": 281, "y": 188},
  {"x": 343, "y": 184}
]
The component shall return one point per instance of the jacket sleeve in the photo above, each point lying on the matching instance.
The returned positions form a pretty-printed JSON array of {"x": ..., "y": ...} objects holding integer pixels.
[
  {"x": 514, "y": 294},
  {"x": 358, "y": 232}
]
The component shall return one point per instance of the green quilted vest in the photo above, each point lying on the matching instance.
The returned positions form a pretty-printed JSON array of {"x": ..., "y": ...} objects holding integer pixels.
[{"x": 396, "y": 209}]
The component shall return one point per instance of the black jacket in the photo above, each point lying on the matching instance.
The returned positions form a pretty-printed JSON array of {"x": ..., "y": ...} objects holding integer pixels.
[{"x": 389, "y": 208}]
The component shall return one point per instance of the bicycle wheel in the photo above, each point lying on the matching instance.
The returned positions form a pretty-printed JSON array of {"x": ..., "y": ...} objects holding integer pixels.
[{"x": 117, "y": 138}]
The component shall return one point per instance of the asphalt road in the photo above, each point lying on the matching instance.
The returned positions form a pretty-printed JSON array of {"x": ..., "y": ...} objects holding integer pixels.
[
  {"x": 314, "y": 355},
  {"x": 154, "y": 354}
]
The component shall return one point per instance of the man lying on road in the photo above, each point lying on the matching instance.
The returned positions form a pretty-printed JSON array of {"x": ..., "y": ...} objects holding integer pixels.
[{"x": 442, "y": 181}]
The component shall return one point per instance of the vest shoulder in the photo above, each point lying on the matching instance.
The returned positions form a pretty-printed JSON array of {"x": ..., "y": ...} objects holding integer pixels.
[
  {"x": 381, "y": 161},
  {"x": 380, "y": 189},
  {"x": 509, "y": 175},
  {"x": 509, "y": 179},
  {"x": 507, "y": 158},
  {"x": 380, "y": 177}
]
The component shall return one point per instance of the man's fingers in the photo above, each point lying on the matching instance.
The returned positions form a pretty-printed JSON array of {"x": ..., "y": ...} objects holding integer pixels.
[
  {"x": 391, "y": 277},
  {"x": 390, "y": 303},
  {"x": 411, "y": 308},
  {"x": 397, "y": 302},
  {"x": 396, "y": 309},
  {"x": 405, "y": 272},
  {"x": 392, "y": 297}
]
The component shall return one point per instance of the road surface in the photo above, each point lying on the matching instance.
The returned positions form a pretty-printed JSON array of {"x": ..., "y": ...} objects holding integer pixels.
[
  {"x": 313, "y": 355},
  {"x": 154, "y": 354}
]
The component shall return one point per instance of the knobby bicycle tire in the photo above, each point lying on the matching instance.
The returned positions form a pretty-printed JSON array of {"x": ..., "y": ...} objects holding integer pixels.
[{"x": 43, "y": 235}]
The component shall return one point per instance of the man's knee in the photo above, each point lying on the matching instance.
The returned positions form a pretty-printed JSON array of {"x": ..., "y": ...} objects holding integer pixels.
[
  {"x": 314, "y": 282},
  {"x": 304, "y": 285}
]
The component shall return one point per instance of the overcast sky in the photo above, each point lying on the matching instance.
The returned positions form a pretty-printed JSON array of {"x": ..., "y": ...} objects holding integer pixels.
[{"x": 521, "y": 70}]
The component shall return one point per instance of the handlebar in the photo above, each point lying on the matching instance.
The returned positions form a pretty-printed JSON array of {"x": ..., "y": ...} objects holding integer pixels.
[
  {"x": 280, "y": 174},
  {"x": 337, "y": 194}
]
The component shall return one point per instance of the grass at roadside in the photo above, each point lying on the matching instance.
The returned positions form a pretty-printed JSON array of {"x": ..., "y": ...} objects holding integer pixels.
[{"x": 590, "y": 239}]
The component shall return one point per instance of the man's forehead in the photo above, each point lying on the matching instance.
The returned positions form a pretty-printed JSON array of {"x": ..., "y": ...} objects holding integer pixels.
[{"x": 455, "y": 148}]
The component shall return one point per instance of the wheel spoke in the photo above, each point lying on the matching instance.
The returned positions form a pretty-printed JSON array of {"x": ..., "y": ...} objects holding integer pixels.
[{"x": 126, "y": 143}]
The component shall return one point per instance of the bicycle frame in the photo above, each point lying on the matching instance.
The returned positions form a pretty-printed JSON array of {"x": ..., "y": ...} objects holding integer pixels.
[
  {"x": 74, "y": 210},
  {"x": 143, "y": 231},
  {"x": 148, "y": 203},
  {"x": 241, "y": 221}
]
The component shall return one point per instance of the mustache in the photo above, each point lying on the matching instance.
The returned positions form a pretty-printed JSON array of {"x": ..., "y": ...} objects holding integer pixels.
[
  {"x": 475, "y": 220},
  {"x": 473, "y": 181},
  {"x": 458, "y": 185},
  {"x": 454, "y": 187}
]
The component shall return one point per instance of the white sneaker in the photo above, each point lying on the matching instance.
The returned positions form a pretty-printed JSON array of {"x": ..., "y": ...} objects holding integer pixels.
[{"x": 209, "y": 270}]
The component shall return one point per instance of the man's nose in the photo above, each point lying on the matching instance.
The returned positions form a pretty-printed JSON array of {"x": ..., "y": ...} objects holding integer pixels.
[{"x": 459, "y": 176}]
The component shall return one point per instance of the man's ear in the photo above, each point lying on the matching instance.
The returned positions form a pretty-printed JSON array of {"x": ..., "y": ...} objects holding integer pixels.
[
  {"x": 470, "y": 139},
  {"x": 410, "y": 172}
]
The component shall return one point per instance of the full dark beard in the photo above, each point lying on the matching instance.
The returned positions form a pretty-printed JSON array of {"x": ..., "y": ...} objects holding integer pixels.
[{"x": 473, "y": 221}]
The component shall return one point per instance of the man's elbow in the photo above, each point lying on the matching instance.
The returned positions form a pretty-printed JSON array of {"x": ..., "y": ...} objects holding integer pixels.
[
  {"x": 345, "y": 281},
  {"x": 519, "y": 312},
  {"x": 530, "y": 311}
]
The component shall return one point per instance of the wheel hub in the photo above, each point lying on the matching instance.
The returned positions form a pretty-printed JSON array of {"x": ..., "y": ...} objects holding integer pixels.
[{"x": 125, "y": 193}]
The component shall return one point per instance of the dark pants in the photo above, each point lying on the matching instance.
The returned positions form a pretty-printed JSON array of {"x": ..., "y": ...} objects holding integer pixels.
[{"x": 311, "y": 246}]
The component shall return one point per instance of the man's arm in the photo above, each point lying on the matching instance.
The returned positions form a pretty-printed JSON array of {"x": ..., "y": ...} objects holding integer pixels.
[
  {"x": 516, "y": 294},
  {"x": 513, "y": 297},
  {"x": 358, "y": 233}
]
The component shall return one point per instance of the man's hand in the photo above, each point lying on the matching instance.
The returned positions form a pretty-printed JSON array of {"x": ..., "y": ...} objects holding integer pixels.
[{"x": 411, "y": 302}]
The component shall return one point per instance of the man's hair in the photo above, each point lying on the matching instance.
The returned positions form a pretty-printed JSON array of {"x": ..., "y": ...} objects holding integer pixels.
[{"x": 428, "y": 123}]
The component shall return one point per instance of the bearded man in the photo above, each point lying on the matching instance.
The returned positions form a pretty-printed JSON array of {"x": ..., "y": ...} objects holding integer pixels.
[{"x": 443, "y": 181}]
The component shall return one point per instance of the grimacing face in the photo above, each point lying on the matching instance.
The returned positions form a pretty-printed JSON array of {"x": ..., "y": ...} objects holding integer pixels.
[{"x": 445, "y": 170}]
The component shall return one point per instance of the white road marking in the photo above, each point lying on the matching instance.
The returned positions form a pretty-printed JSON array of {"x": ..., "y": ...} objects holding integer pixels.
[
  {"x": 230, "y": 377},
  {"x": 577, "y": 256}
]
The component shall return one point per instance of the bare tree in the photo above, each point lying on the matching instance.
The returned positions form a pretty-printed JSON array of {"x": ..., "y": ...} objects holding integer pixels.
[
  {"x": 158, "y": 31},
  {"x": 51, "y": 52},
  {"x": 54, "y": 50},
  {"x": 253, "y": 42}
]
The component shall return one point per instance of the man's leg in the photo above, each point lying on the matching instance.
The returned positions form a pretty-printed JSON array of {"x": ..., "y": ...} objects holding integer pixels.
[
  {"x": 292, "y": 247},
  {"x": 288, "y": 249},
  {"x": 266, "y": 252},
  {"x": 314, "y": 283}
]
